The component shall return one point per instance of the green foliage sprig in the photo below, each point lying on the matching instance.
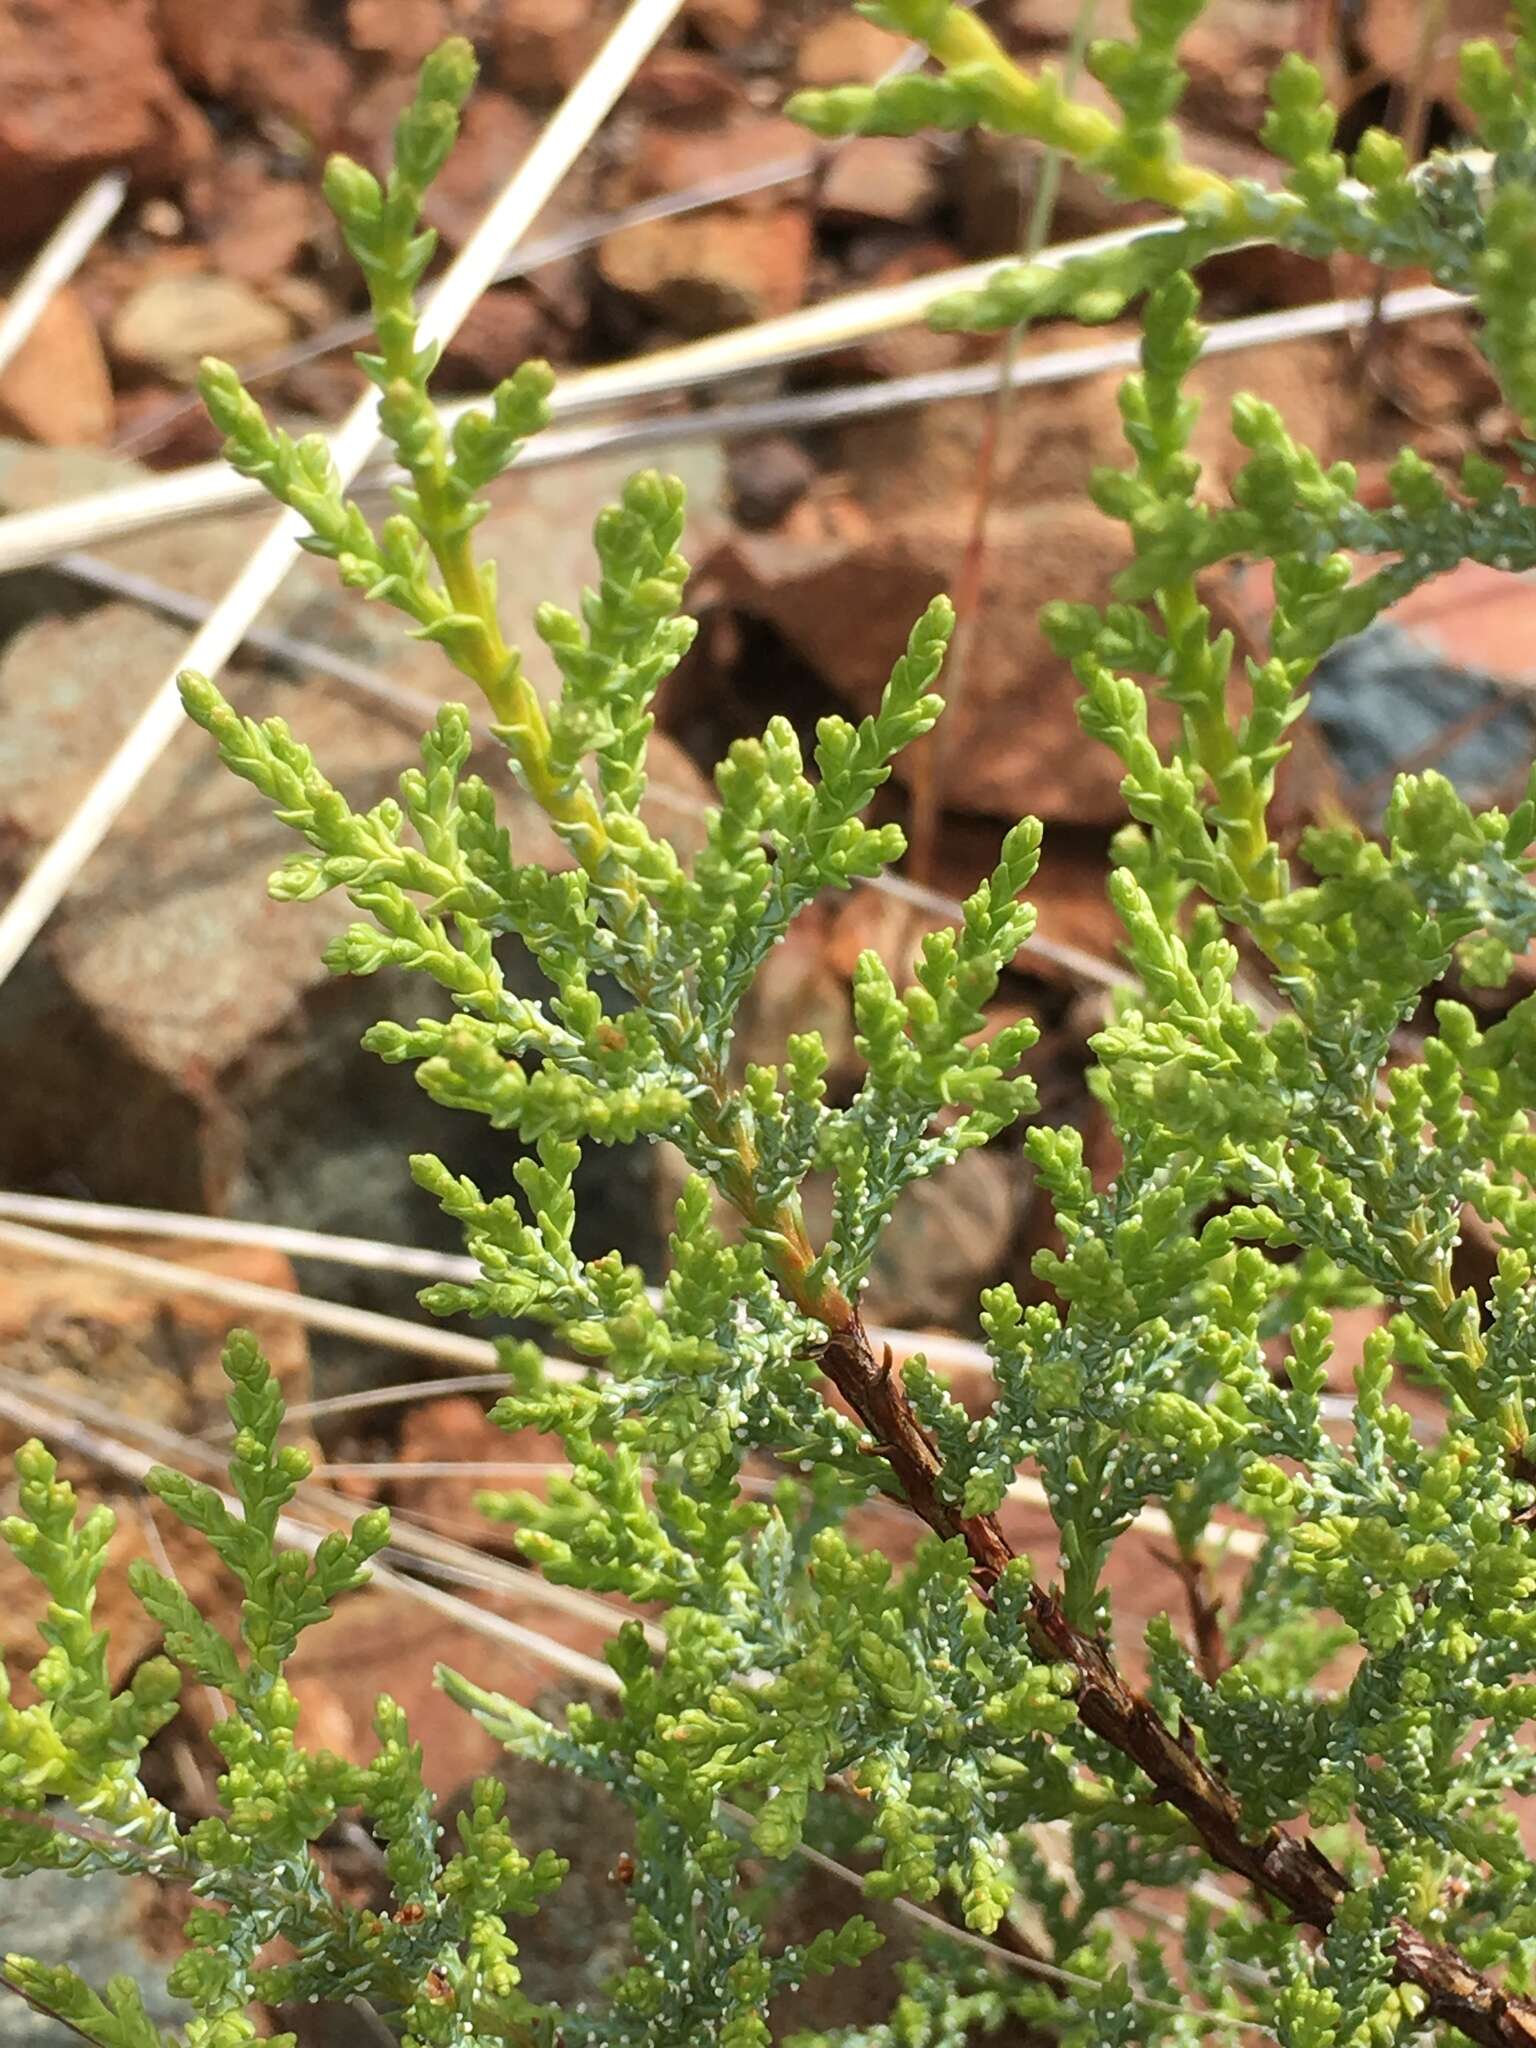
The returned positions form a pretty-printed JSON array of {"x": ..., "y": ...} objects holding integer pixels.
[
  {"x": 441, "y": 1966},
  {"x": 1324, "y": 1770}
]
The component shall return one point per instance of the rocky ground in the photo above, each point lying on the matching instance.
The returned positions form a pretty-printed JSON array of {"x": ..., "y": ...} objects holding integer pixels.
[{"x": 181, "y": 1045}]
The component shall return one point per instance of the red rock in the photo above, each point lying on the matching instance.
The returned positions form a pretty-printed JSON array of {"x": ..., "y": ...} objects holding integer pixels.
[
  {"x": 326, "y": 387},
  {"x": 260, "y": 55},
  {"x": 83, "y": 88},
  {"x": 675, "y": 157},
  {"x": 1014, "y": 743},
  {"x": 131, "y": 1005},
  {"x": 256, "y": 226},
  {"x": 1436, "y": 365},
  {"x": 1477, "y": 618},
  {"x": 724, "y": 24},
  {"x": 171, "y": 323},
  {"x": 713, "y": 269},
  {"x": 910, "y": 350},
  {"x": 405, "y": 31},
  {"x": 342, "y": 1667},
  {"x": 1069, "y": 892},
  {"x": 208, "y": 45},
  {"x": 797, "y": 990},
  {"x": 1391, "y": 38},
  {"x": 886, "y": 178},
  {"x": 947, "y": 1238},
  {"x": 57, "y": 389},
  {"x": 1230, "y": 55},
  {"x": 1057, "y": 434},
  {"x": 768, "y": 474},
  {"x": 155, "y": 419},
  {"x": 541, "y": 47},
  {"x": 685, "y": 85},
  {"x": 502, "y": 329},
  {"x": 847, "y": 50},
  {"x": 877, "y": 921},
  {"x": 458, "y": 1430},
  {"x": 678, "y": 796},
  {"x": 1473, "y": 616}
]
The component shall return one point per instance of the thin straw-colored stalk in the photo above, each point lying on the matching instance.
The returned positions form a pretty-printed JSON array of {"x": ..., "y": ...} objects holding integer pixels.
[
  {"x": 798, "y": 411},
  {"x": 27, "y": 538},
  {"x": 410, "y": 1540},
  {"x": 944, "y": 1353},
  {"x": 24, "y": 537},
  {"x": 58, "y": 260},
  {"x": 393, "y": 1333},
  {"x": 400, "y": 1394},
  {"x": 509, "y": 218},
  {"x": 60, "y": 1428},
  {"x": 67, "y": 1213},
  {"x": 504, "y": 1471}
]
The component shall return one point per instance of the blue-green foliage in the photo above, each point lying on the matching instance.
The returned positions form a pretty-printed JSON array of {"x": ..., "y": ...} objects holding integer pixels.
[{"x": 1287, "y": 1151}]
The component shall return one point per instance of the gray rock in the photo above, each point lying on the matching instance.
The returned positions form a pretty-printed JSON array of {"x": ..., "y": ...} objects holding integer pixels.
[
  {"x": 1383, "y": 698},
  {"x": 92, "y": 1924}
]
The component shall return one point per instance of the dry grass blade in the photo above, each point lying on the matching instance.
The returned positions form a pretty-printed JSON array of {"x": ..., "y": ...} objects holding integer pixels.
[
  {"x": 68, "y": 1213},
  {"x": 390, "y": 1333},
  {"x": 28, "y": 538},
  {"x": 509, "y": 218},
  {"x": 58, "y": 260},
  {"x": 953, "y": 1353},
  {"x": 90, "y": 1431},
  {"x": 943, "y": 1353}
]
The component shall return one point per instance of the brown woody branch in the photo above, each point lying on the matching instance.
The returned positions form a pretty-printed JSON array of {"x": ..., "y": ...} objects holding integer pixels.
[{"x": 1287, "y": 1868}]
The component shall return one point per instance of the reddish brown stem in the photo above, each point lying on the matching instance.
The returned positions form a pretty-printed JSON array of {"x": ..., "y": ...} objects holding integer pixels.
[
  {"x": 1204, "y": 1611},
  {"x": 1287, "y": 1868}
]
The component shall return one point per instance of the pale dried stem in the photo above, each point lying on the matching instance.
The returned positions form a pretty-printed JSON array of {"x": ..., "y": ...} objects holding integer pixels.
[
  {"x": 954, "y": 1355},
  {"x": 520, "y": 203},
  {"x": 367, "y": 1326},
  {"x": 58, "y": 260},
  {"x": 74, "y": 1423},
  {"x": 28, "y": 539}
]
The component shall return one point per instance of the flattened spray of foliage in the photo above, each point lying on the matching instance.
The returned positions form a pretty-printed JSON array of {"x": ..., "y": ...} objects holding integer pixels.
[{"x": 1275, "y": 1168}]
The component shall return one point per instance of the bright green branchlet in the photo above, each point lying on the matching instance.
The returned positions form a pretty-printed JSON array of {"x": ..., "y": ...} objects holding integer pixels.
[
  {"x": 1337, "y": 1747},
  {"x": 252, "y": 1864}
]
